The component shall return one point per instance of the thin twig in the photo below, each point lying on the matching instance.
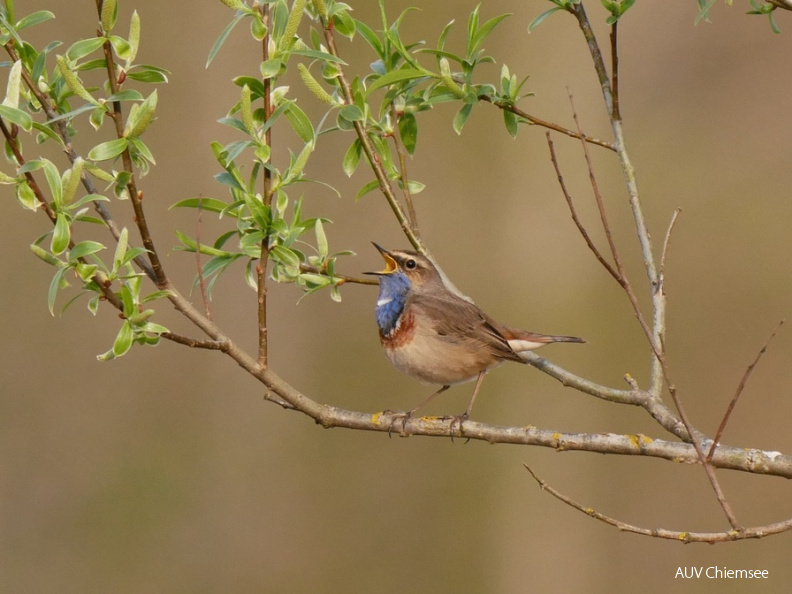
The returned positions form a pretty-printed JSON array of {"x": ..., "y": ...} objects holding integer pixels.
[
  {"x": 683, "y": 537},
  {"x": 99, "y": 277},
  {"x": 614, "y": 38},
  {"x": 201, "y": 279},
  {"x": 621, "y": 276},
  {"x": 545, "y": 124},
  {"x": 344, "y": 278},
  {"x": 740, "y": 388},
  {"x": 405, "y": 179},
  {"x": 63, "y": 132},
  {"x": 195, "y": 343},
  {"x": 261, "y": 267},
  {"x": 135, "y": 196},
  {"x": 660, "y": 363},
  {"x": 368, "y": 147},
  {"x": 573, "y": 212},
  {"x": 666, "y": 242}
]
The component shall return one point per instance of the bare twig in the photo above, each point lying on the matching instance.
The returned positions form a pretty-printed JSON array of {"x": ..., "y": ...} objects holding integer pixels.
[
  {"x": 740, "y": 388},
  {"x": 683, "y": 537},
  {"x": 621, "y": 276},
  {"x": 545, "y": 124},
  {"x": 666, "y": 242},
  {"x": 213, "y": 345},
  {"x": 660, "y": 363},
  {"x": 573, "y": 212},
  {"x": 344, "y": 278},
  {"x": 614, "y": 39}
]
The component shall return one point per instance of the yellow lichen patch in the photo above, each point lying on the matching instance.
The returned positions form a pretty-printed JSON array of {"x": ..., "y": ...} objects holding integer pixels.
[{"x": 375, "y": 418}]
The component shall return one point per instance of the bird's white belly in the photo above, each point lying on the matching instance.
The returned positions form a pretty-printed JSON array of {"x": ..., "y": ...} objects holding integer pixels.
[{"x": 436, "y": 361}]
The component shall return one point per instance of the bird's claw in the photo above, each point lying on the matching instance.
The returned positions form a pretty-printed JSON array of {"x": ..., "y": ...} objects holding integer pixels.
[
  {"x": 456, "y": 426},
  {"x": 404, "y": 417}
]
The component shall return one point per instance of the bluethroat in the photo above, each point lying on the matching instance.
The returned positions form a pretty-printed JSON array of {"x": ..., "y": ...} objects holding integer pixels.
[{"x": 437, "y": 337}]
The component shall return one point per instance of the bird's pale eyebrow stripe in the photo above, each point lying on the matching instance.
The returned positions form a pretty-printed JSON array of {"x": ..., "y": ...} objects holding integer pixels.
[{"x": 381, "y": 302}]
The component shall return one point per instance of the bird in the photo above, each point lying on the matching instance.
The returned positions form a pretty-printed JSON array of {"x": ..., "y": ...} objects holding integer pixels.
[{"x": 435, "y": 335}]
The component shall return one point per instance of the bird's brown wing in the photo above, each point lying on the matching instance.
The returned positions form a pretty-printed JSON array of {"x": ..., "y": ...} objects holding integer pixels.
[{"x": 460, "y": 321}]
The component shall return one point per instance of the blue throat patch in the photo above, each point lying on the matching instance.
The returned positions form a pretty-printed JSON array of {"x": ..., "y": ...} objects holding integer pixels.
[{"x": 393, "y": 291}]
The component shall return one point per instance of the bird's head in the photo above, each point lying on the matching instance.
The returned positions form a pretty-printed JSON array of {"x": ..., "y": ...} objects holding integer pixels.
[{"x": 406, "y": 268}]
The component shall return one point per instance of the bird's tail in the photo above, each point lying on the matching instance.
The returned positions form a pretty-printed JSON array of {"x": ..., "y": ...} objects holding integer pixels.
[{"x": 523, "y": 340}]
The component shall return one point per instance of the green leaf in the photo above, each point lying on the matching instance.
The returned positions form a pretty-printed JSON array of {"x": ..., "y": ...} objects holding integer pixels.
[
  {"x": 71, "y": 180},
  {"x": 408, "y": 130},
  {"x": 222, "y": 38},
  {"x": 284, "y": 256},
  {"x": 511, "y": 123},
  {"x": 321, "y": 239},
  {"x": 396, "y": 76},
  {"x": 108, "y": 150},
  {"x": 208, "y": 204},
  {"x": 156, "y": 295},
  {"x": 121, "y": 47},
  {"x": 352, "y": 157},
  {"x": 60, "y": 235},
  {"x": 371, "y": 38},
  {"x": 271, "y": 68},
  {"x": 12, "y": 88},
  {"x": 461, "y": 117},
  {"x": 56, "y": 284},
  {"x": 140, "y": 116},
  {"x": 121, "y": 248},
  {"x": 483, "y": 32},
  {"x": 300, "y": 123},
  {"x": 53, "y": 181},
  {"x": 259, "y": 211},
  {"x": 540, "y": 19},
  {"x": 17, "y": 116},
  {"x": 148, "y": 74},
  {"x": 75, "y": 112},
  {"x": 123, "y": 341},
  {"x": 126, "y": 95},
  {"x": 34, "y": 18},
  {"x": 82, "y": 48},
  {"x": 85, "y": 272},
  {"x": 372, "y": 185},
  {"x": 351, "y": 113},
  {"x": 85, "y": 248}
]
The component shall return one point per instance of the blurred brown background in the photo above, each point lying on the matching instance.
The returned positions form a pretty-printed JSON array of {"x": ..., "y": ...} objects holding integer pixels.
[{"x": 166, "y": 471}]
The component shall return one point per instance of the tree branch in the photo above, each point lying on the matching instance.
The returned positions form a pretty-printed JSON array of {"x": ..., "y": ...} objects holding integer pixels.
[{"x": 683, "y": 537}]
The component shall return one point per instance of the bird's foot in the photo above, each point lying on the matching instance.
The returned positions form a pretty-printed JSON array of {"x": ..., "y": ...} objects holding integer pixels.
[
  {"x": 455, "y": 428},
  {"x": 399, "y": 416}
]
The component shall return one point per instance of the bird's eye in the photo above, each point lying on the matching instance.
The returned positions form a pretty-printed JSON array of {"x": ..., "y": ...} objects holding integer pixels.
[{"x": 410, "y": 264}]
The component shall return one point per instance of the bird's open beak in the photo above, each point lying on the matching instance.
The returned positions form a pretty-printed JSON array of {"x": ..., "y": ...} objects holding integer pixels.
[{"x": 390, "y": 263}]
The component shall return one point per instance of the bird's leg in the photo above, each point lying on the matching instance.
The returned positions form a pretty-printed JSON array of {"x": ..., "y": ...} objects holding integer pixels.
[
  {"x": 466, "y": 415},
  {"x": 406, "y": 415}
]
